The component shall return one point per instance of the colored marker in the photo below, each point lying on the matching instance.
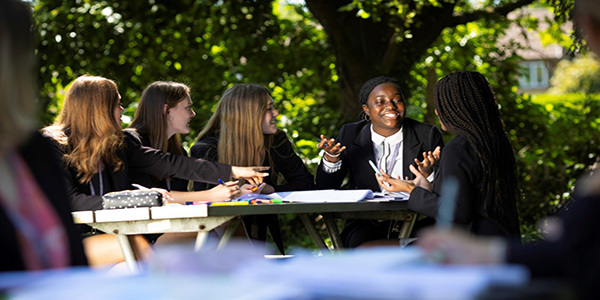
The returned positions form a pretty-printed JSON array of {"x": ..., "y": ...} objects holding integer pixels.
[
  {"x": 221, "y": 181},
  {"x": 196, "y": 202},
  {"x": 280, "y": 201},
  {"x": 230, "y": 203}
]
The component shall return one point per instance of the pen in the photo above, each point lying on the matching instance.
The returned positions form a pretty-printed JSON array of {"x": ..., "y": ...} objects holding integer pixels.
[
  {"x": 272, "y": 201},
  {"x": 375, "y": 168},
  {"x": 230, "y": 203},
  {"x": 196, "y": 202},
  {"x": 139, "y": 186},
  {"x": 221, "y": 181}
]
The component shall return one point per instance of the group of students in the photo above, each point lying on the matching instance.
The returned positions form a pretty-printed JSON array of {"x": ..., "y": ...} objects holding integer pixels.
[{"x": 242, "y": 145}]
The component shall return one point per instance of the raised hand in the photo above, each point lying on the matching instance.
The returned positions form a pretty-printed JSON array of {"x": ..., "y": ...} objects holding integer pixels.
[
  {"x": 420, "y": 179},
  {"x": 253, "y": 175},
  {"x": 429, "y": 158},
  {"x": 331, "y": 148}
]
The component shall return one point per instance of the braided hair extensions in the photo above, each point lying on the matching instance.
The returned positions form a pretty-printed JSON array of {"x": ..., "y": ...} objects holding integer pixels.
[{"x": 466, "y": 105}]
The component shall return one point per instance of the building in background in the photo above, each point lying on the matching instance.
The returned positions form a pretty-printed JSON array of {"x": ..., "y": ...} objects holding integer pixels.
[{"x": 539, "y": 60}]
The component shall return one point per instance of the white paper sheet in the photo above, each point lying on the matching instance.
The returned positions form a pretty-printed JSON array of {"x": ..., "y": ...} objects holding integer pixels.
[{"x": 321, "y": 196}]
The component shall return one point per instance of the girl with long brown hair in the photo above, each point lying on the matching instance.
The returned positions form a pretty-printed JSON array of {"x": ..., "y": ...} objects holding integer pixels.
[
  {"x": 99, "y": 160},
  {"x": 163, "y": 113}
]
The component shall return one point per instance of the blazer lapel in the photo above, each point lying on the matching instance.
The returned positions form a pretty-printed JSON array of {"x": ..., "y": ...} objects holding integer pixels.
[{"x": 364, "y": 153}]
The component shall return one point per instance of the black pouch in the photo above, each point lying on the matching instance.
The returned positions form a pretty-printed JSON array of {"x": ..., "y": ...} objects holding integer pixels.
[{"x": 131, "y": 199}]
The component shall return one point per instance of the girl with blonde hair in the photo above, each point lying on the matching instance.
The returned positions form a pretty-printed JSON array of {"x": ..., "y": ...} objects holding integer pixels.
[{"x": 243, "y": 131}]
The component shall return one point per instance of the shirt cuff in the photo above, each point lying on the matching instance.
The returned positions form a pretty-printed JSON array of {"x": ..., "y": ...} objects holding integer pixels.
[
  {"x": 431, "y": 176},
  {"x": 330, "y": 167}
]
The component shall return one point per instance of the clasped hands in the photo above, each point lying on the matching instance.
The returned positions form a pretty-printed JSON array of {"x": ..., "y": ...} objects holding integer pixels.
[{"x": 425, "y": 168}]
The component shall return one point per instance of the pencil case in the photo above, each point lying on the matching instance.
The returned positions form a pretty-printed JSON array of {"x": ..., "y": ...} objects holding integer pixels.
[{"x": 131, "y": 199}]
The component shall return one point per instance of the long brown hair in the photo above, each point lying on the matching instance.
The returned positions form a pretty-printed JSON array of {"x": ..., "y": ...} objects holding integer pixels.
[
  {"x": 86, "y": 126},
  {"x": 150, "y": 117},
  {"x": 238, "y": 122}
]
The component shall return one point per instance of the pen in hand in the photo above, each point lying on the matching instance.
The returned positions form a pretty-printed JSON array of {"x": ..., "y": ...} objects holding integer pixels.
[
  {"x": 375, "y": 168},
  {"x": 139, "y": 186},
  {"x": 377, "y": 171}
]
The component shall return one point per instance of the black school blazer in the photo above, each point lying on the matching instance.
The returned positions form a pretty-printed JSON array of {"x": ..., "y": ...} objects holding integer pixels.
[
  {"x": 140, "y": 159},
  {"x": 418, "y": 138}
]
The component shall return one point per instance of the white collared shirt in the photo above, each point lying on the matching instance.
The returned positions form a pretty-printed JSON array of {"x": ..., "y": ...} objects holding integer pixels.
[
  {"x": 395, "y": 143},
  {"x": 392, "y": 157}
]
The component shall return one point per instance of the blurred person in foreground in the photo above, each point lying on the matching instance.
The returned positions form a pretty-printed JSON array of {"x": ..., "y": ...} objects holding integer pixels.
[
  {"x": 571, "y": 251},
  {"x": 36, "y": 227}
]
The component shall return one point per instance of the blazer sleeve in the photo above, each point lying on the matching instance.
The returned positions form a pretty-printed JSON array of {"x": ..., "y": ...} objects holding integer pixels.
[
  {"x": 208, "y": 151},
  {"x": 456, "y": 162},
  {"x": 297, "y": 177},
  {"x": 158, "y": 163},
  {"x": 334, "y": 180}
]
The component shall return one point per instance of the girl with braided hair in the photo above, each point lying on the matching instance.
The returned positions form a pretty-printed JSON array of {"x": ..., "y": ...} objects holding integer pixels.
[{"x": 479, "y": 157}]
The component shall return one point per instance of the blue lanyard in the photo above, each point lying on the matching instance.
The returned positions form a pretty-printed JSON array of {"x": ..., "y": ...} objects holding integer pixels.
[{"x": 100, "y": 180}]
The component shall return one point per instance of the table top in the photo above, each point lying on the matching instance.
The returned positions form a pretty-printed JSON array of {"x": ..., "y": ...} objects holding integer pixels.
[
  {"x": 326, "y": 207},
  {"x": 394, "y": 210}
]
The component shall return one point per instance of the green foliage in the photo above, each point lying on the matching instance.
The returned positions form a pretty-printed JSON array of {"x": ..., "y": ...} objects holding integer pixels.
[
  {"x": 580, "y": 75},
  {"x": 138, "y": 42},
  {"x": 556, "y": 141},
  {"x": 210, "y": 46}
]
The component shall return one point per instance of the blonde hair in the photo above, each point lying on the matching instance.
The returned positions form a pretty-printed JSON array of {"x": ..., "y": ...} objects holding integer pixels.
[
  {"x": 86, "y": 126},
  {"x": 238, "y": 122},
  {"x": 16, "y": 78},
  {"x": 150, "y": 117}
]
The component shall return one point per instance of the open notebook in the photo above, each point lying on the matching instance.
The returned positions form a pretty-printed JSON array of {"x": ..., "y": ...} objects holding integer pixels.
[
  {"x": 314, "y": 196},
  {"x": 321, "y": 196}
]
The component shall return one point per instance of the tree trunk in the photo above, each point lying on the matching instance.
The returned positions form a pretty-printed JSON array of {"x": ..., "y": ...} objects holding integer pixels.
[{"x": 430, "y": 116}]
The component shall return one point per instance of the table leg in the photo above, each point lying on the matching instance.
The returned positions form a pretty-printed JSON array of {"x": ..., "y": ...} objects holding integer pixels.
[
  {"x": 408, "y": 224},
  {"x": 334, "y": 233},
  {"x": 229, "y": 232},
  {"x": 312, "y": 230},
  {"x": 200, "y": 240},
  {"x": 128, "y": 252}
]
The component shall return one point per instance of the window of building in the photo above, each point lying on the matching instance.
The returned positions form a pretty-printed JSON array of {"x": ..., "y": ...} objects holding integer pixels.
[{"x": 534, "y": 75}]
